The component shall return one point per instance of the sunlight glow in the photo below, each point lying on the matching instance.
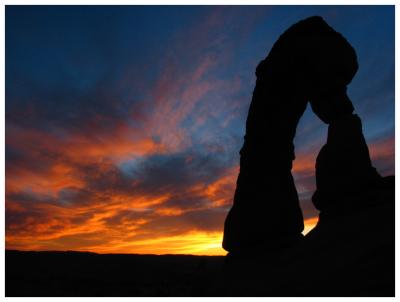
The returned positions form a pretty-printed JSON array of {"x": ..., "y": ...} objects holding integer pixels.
[
  {"x": 309, "y": 224},
  {"x": 193, "y": 243}
]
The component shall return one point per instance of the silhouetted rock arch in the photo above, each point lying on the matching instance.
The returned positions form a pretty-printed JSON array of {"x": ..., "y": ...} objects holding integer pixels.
[{"x": 309, "y": 62}]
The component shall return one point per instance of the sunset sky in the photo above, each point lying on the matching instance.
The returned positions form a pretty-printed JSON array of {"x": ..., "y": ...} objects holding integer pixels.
[{"x": 124, "y": 124}]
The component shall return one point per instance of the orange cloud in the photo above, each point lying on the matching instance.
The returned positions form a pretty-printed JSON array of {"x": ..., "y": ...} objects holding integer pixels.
[
  {"x": 304, "y": 163},
  {"x": 383, "y": 149},
  {"x": 221, "y": 192}
]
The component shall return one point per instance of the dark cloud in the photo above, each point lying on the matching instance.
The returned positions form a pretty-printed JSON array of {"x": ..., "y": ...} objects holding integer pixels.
[
  {"x": 176, "y": 172},
  {"x": 308, "y": 209}
]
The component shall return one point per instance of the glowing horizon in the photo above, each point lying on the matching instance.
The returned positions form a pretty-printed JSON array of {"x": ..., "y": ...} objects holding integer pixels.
[{"x": 193, "y": 243}]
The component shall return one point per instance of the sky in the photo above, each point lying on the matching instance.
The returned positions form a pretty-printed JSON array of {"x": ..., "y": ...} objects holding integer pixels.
[{"x": 124, "y": 124}]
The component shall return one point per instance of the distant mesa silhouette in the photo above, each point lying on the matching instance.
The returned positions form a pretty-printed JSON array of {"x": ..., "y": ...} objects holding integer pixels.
[{"x": 310, "y": 62}]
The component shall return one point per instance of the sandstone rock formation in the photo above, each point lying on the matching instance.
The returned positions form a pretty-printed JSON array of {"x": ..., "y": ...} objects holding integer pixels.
[{"x": 310, "y": 61}]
